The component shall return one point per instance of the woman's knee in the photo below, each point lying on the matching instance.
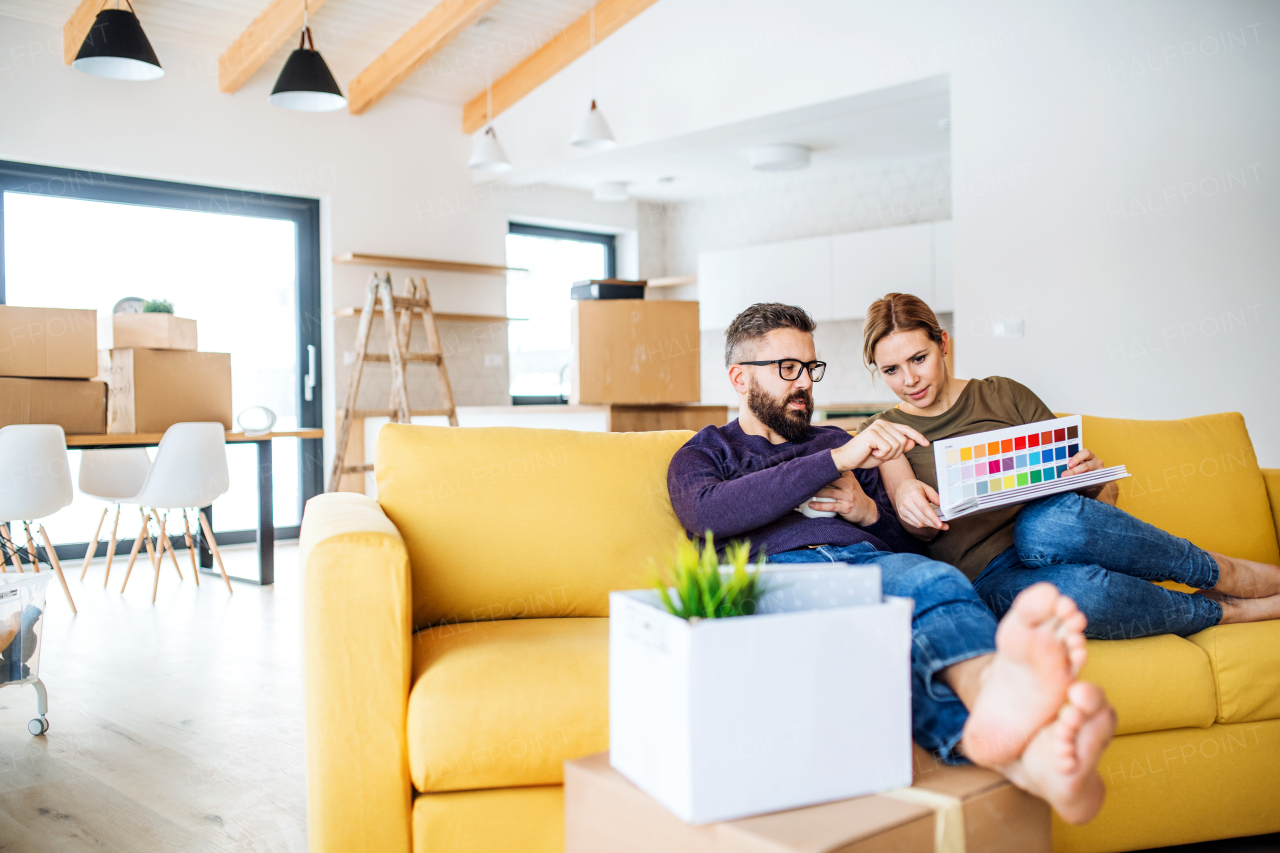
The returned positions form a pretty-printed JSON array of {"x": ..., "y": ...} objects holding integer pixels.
[{"x": 1050, "y": 529}]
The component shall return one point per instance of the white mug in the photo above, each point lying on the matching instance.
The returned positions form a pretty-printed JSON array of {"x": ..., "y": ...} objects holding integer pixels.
[{"x": 805, "y": 509}]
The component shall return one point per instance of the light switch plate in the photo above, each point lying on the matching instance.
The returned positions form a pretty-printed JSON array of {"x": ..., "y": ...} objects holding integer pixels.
[{"x": 1007, "y": 328}]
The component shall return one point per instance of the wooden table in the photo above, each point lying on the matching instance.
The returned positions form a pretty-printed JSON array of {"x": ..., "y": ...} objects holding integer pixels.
[{"x": 266, "y": 509}]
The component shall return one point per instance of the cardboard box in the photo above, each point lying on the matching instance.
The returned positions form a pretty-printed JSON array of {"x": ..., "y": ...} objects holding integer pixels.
[
  {"x": 635, "y": 351},
  {"x": 79, "y": 406},
  {"x": 152, "y": 331},
  {"x": 979, "y": 811},
  {"x": 805, "y": 702},
  {"x": 49, "y": 343},
  {"x": 150, "y": 390}
]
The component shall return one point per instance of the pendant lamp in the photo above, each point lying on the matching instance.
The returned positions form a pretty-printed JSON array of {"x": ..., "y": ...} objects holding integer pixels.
[
  {"x": 305, "y": 83},
  {"x": 486, "y": 152},
  {"x": 117, "y": 48},
  {"x": 593, "y": 131}
]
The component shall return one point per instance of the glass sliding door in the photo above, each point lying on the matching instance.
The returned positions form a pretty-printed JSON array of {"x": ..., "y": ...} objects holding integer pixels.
[{"x": 244, "y": 266}]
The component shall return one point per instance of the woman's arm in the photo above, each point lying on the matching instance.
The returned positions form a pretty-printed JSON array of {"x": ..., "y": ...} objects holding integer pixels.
[{"x": 913, "y": 500}]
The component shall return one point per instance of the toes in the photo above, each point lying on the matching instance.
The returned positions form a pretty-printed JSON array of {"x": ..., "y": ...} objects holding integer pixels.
[
  {"x": 1036, "y": 603},
  {"x": 1088, "y": 698},
  {"x": 1064, "y": 608}
]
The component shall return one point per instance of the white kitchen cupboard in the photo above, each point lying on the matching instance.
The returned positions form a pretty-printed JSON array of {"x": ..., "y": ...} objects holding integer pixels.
[
  {"x": 868, "y": 264},
  {"x": 797, "y": 272},
  {"x": 942, "y": 298},
  {"x": 720, "y": 288}
]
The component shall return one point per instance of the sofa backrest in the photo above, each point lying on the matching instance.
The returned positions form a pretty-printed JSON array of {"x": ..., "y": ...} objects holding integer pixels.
[
  {"x": 507, "y": 522},
  {"x": 1197, "y": 478}
]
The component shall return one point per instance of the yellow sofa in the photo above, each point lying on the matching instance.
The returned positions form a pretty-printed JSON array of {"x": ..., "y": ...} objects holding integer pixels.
[{"x": 456, "y": 638}]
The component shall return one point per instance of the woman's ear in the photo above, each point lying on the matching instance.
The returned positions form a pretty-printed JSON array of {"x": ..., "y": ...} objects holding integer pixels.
[{"x": 945, "y": 343}]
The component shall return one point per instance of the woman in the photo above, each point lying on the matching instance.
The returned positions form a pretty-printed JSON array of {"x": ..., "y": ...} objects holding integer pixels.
[{"x": 1099, "y": 555}]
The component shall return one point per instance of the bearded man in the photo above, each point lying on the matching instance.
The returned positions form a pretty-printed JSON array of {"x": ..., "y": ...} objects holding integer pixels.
[{"x": 1007, "y": 699}]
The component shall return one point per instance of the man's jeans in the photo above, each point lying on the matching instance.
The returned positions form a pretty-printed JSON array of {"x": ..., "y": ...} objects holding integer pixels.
[
  {"x": 949, "y": 624},
  {"x": 1104, "y": 559}
]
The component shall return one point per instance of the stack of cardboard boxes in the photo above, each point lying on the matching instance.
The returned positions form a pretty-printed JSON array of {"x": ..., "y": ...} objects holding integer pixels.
[{"x": 48, "y": 361}]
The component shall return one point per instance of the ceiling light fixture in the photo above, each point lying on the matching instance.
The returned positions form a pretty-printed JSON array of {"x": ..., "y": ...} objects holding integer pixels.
[
  {"x": 305, "y": 83},
  {"x": 486, "y": 152},
  {"x": 611, "y": 191},
  {"x": 777, "y": 158},
  {"x": 117, "y": 48},
  {"x": 593, "y": 131}
]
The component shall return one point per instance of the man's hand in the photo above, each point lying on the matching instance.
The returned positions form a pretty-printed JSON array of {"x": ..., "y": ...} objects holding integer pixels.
[
  {"x": 851, "y": 502},
  {"x": 914, "y": 502},
  {"x": 876, "y": 445},
  {"x": 1081, "y": 463}
]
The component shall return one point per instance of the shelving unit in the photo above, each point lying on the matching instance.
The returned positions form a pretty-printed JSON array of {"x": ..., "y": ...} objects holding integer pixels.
[
  {"x": 455, "y": 318},
  {"x": 422, "y": 264}
]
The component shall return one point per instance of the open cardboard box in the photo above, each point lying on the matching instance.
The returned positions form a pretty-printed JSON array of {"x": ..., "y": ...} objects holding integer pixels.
[
  {"x": 805, "y": 702},
  {"x": 152, "y": 330}
]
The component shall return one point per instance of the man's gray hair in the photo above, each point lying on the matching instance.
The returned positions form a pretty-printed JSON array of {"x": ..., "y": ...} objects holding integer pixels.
[{"x": 759, "y": 320}]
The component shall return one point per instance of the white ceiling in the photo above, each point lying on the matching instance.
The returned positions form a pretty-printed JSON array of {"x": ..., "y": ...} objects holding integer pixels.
[
  {"x": 845, "y": 136},
  {"x": 350, "y": 34}
]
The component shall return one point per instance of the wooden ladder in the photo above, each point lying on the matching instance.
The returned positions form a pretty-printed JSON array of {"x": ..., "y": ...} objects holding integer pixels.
[{"x": 397, "y": 313}]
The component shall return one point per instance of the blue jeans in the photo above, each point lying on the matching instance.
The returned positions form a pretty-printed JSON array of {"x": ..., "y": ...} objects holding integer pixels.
[
  {"x": 1104, "y": 559},
  {"x": 949, "y": 624}
]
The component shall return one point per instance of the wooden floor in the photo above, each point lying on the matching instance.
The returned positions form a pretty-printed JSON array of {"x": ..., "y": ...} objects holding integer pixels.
[{"x": 173, "y": 727}]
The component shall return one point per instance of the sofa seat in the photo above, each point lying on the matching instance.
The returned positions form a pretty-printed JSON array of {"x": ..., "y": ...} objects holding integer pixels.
[
  {"x": 1245, "y": 660},
  {"x": 1135, "y": 674},
  {"x": 504, "y": 704}
]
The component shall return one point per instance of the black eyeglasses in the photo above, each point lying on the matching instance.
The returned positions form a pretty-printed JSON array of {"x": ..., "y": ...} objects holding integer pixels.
[{"x": 789, "y": 368}]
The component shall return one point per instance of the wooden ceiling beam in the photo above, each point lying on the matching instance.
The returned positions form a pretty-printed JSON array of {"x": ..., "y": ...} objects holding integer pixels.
[
  {"x": 423, "y": 40},
  {"x": 77, "y": 27},
  {"x": 278, "y": 23},
  {"x": 550, "y": 59}
]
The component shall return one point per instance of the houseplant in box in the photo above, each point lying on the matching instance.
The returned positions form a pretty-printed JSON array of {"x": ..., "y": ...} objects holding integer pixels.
[
  {"x": 157, "y": 306},
  {"x": 155, "y": 328},
  {"x": 741, "y": 691}
]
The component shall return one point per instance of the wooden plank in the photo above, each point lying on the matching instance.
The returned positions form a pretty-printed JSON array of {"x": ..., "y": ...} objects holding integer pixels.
[
  {"x": 78, "y": 26},
  {"x": 423, "y": 40},
  {"x": 406, "y": 357},
  {"x": 444, "y": 318},
  {"x": 550, "y": 59},
  {"x": 673, "y": 281},
  {"x": 653, "y": 418},
  {"x": 422, "y": 264},
  {"x": 147, "y": 438},
  {"x": 413, "y": 413},
  {"x": 278, "y": 23}
]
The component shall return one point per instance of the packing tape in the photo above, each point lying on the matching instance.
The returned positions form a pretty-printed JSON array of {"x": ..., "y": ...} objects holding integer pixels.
[{"x": 948, "y": 816}]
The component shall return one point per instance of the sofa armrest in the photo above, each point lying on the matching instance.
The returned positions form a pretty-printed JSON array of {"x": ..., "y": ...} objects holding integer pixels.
[
  {"x": 1271, "y": 476},
  {"x": 357, "y": 649}
]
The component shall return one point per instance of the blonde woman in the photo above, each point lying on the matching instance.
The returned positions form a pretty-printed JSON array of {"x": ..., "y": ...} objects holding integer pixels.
[{"x": 1098, "y": 555}]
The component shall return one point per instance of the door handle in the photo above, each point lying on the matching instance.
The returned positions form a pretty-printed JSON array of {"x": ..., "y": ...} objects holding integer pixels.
[{"x": 309, "y": 381}]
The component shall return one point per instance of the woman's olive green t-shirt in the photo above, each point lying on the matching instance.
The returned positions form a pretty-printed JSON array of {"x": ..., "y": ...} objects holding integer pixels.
[{"x": 984, "y": 404}]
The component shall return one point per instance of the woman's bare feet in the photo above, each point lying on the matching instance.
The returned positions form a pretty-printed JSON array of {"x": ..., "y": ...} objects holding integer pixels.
[
  {"x": 1246, "y": 578},
  {"x": 1039, "y": 651},
  {"x": 1060, "y": 765},
  {"x": 1244, "y": 609}
]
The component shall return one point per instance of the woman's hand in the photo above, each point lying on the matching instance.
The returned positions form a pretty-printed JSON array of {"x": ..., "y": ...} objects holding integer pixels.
[
  {"x": 914, "y": 502},
  {"x": 851, "y": 502},
  {"x": 876, "y": 445},
  {"x": 1082, "y": 463}
]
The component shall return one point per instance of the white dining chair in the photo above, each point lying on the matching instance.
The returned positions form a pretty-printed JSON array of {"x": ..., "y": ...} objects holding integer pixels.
[
  {"x": 190, "y": 470},
  {"x": 35, "y": 482},
  {"x": 112, "y": 475}
]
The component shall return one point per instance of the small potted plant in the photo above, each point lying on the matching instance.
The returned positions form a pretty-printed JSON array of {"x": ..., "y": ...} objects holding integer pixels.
[
  {"x": 737, "y": 690},
  {"x": 155, "y": 328}
]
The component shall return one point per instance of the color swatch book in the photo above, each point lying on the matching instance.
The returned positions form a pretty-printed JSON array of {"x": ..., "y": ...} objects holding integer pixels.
[{"x": 1013, "y": 465}]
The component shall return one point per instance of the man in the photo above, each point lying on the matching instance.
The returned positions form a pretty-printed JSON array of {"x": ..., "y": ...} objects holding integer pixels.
[{"x": 1003, "y": 696}]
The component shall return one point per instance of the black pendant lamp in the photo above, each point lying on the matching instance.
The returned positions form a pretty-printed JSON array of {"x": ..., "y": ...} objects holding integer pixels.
[
  {"x": 305, "y": 83},
  {"x": 116, "y": 47}
]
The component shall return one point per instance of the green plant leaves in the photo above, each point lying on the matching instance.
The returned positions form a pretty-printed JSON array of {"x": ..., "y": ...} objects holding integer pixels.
[
  {"x": 703, "y": 592},
  {"x": 157, "y": 306}
]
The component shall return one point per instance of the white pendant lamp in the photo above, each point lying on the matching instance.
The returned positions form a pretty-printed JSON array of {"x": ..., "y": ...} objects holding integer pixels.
[
  {"x": 305, "y": 83},
  {"x": 486, "y": 152},
  {"x": 117, "y": 48},
  {"x": 593, "y": 131}
]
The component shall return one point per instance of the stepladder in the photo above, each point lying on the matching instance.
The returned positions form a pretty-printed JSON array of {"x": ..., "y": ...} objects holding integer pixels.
[{"x": 398, "y": 314}]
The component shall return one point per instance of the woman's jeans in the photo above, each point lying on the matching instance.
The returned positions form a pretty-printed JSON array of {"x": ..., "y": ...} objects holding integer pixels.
[
  {"x": 949, "y": 624},
  {"x": 1104, "y": 559}
]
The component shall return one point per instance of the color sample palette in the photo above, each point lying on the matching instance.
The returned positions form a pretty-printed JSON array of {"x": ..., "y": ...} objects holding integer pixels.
[{"x": 1009, "y": 465}]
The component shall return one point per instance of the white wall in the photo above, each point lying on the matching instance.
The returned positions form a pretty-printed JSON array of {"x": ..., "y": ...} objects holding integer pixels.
[{"x": 1113, "y": 168}]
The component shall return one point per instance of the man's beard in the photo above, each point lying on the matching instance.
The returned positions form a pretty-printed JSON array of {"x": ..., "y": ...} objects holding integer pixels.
[{"x": 791, "y": 424}]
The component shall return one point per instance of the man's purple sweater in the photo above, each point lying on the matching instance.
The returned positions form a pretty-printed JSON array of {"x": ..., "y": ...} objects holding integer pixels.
[{"x": 738, "y": 485}]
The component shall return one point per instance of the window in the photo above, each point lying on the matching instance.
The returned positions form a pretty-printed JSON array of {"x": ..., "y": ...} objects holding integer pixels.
[
  {"x": 243, "y": 265},
  {"x": 540, "y": 347}
]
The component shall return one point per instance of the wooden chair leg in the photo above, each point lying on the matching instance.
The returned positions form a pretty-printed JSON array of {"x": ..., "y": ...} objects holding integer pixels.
[
  {"x": 163, "y": 543},
  {"x": 32, "y": 554},
  {"x": 11, "y": 550},
  {"x": 213, "y": 546},
  {"x": 93, "y": 543},
  {"x": 191, "y": 548},
  {"x": 156, "y": 563},
  {"x": 111, "y": 547},
  {"x": 57, "y": 567},
  {"x": 137, "y": 545}
]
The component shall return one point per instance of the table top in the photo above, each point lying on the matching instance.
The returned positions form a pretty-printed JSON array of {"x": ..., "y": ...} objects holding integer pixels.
[{"x": 150, "y": 438}]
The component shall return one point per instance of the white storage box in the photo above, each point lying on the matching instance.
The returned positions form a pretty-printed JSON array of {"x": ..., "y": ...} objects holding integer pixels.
[
  {"x": 805, "y": 702},
  {"x": 21, "y": 626}
]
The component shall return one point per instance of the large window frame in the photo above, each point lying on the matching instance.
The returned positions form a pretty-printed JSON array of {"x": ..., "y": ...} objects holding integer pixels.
[
  {"x": 609, "y": 241},
  {"x": 89, "y": 185}
]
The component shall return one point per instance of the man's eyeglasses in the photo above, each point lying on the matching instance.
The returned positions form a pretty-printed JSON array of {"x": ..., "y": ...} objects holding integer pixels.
[{"x": 789, "y": 368}]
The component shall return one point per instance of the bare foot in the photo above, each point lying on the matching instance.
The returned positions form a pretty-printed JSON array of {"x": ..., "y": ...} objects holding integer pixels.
[
  {"x": 1039, "y": 650},
  {"x": 1060, "y": 765},
  {"x": 1246, "y": 578},
  {"x": 1244, "y": 609}
]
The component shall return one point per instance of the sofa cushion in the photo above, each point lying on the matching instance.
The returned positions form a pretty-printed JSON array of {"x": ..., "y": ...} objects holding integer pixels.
[
  {"x": 507, "y": 522},
  {"x": 1245, "y": 660},
  {"x": 1154, "y": 683},
  {"x": 496, "y": 704},
  {"x": 1197, "y": 478}
]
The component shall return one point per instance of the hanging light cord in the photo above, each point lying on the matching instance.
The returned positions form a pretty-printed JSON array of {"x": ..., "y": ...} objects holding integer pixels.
[
  {"x": 488, "y": 81},
  {"x": 591, "y": 51},
  {"x": 306, "y": 29}
]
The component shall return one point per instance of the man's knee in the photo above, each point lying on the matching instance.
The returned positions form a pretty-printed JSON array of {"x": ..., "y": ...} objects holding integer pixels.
[{"x": 915, "y": 577}]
